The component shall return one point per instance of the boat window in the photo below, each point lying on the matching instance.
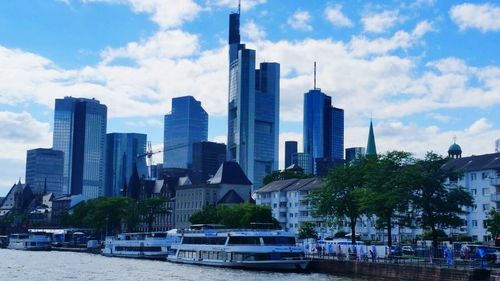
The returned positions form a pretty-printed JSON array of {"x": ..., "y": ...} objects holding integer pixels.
[
  {"x": 204, "y": 240},
  {"x": 278, "y": 240},
  {"x": 244, "y": 240}
]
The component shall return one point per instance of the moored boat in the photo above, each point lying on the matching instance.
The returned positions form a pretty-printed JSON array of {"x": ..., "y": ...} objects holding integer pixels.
[
  {"x": 247, "y": 249},
  {"x": 154, "y": 245},
  {"x": 29, "y": 241}
]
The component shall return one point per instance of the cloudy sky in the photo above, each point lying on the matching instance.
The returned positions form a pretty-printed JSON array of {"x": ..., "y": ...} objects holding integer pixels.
[{"x": 426, "y": 70}]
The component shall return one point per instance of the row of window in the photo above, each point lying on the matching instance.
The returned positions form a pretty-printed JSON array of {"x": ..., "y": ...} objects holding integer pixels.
[
  {"x": 240, "y": 240},
  {"x": 219, "y": 255},
  {"x": 137, "y": 249}
]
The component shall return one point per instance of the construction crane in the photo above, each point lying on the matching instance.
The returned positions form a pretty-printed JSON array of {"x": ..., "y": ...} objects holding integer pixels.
[{"x": 150, "y": 152}]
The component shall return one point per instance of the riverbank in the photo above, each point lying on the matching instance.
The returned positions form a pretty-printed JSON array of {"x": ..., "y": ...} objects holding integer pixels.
[{"x": 394, "y": 271}]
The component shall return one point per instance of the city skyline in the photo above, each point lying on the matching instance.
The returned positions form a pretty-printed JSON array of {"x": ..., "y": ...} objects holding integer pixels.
[{"x": 425, "y": 70}]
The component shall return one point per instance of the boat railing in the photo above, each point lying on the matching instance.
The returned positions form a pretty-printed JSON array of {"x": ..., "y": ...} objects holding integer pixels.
[{"x": 217, "y": 230}]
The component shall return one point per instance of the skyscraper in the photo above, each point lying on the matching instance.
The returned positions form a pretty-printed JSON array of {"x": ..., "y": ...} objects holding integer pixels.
[
  {"x": 354, "y": 153},
  {"x": 371, "y": 148},
  {"x": 121, "y": 159},
  {"x": 323, "y": 129},
  {"x": 290, "y": 149},
  {"x": 186, "y": 124},
  {"x": 304, "y": 161},
  {"x": 497, "y": 145},
  {"x": 207, "y": 158},
  {"x": 80, "y": 132},
  {"x": 253, "y": 109},
  {"x": 44, "y": 170}
]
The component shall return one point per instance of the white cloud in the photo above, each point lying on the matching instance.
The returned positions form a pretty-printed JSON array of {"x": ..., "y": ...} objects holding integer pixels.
[
  {"x": 485, "y": 17},
  {"x": 66, "y": 2},
  {"x": 335, "y": 16},
  {"x": 439, "y": 117},
  {"x": 380, "y": 22},
  {"x": 253, "y": 31},
  {"x": 20, "y": 132},
  {"x": 166, "y": 13},
  {"x": 479, "y": 126},
  {"x": 219, "y": 139},
  {"x": 300, "y": 20}
]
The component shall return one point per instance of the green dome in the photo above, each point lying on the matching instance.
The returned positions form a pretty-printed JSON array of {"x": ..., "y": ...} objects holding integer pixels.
[{"x": 454, "y": 148}]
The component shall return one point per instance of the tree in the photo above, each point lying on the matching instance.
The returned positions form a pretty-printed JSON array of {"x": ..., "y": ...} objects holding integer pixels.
[
  {"x": 234, "y": 216},
  {"x": 438, "y": 203},
  {"x": 150, "y": 208},
  {"x": 493, "y": 222},
  {"x": 307, "y": 230},
  {"x": 340, "y": 196},
  {"x": 387, "y": 189}
]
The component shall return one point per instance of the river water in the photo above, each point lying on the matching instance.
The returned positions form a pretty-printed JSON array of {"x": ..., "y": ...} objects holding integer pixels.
[{"x": 54, "y": 266}]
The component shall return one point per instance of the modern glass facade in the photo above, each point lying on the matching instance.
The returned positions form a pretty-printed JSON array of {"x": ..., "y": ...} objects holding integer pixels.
[
  {"x": 185, "y": 125},
  {"x": 323, "y": 128},
  {"x": 305, "y": 161},
  {"x": 121, "y": 159},
  {"x": 497, "y": 145},
  {"x": 354, "y": 153},
  {"x": 290, "y": 149},
  {"x": 253, "y": 109},
  {"x": 80, "y": 132},
  {"x": 207, "y": 158},
  {"x": 44, "y": 170}
]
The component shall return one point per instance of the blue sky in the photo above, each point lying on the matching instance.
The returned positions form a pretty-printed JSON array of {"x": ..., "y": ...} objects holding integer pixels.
[{"x": 426, "y": 70}]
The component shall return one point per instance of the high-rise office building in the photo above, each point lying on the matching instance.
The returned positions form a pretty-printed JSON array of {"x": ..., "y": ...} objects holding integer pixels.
[
  {"x": 323, "y": 129},
  {"x": 253, "y": 109},
  {"x": 305, "y": 161},
  {"x": 122, "y": 151},
  {"x": 186, "y": 124},
  {"x": 80, "y": 132},
  {"x": 354, "y": 153},
  {"x": 497, "y": 145},
  {"x": 207, "y": 158},
  {"x": 44, "y": 170},
  {"x": 290, "y": 149}
]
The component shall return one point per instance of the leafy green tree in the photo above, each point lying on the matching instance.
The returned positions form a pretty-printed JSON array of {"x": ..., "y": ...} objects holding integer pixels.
[
  {"x": 340, "y": 234},
  {"x": 340, "y": 195},
  {"x": 439, "y": 204},
  {"x": 307, "y": 230},
  {"x": 234, "y": 216},
  {"x": 387, "y": 189},
  {"x": 150, "y": 208},
  {"x": 439, "y": 234},
  {"x": 493, "y": 222}
]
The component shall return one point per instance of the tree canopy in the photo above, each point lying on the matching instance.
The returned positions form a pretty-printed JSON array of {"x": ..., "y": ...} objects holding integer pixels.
[
  {"x": 234, "y": 216},
  {"x": 493, "y": 223}
]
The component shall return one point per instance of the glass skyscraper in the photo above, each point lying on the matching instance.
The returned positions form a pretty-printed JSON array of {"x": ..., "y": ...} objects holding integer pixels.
[
  {"x": 354, "y": 153},
  {"x": 253, "y": 109},
  {"x": 44, "y": 170},
  {"x": 80, "y": 132},
  {"x": 290, "y": 149},
  {"x": 186, "y": 124},
  {"x": 323, "y": 129},
  {"x": 121, "y": 159}
]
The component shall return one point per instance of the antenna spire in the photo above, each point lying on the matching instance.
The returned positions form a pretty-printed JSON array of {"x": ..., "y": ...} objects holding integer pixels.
[
  {"x": 239, "y": 7},
  {"x": 315, "y": 76}
]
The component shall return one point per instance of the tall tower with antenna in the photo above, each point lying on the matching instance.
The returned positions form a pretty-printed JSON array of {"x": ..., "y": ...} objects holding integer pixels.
[
  {"x": 323, "y": 131},
  {"x": 253, "y": 108}
]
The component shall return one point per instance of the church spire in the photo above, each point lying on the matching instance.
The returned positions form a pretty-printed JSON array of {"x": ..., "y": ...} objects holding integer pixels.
[{"x": 371, "y": 148}]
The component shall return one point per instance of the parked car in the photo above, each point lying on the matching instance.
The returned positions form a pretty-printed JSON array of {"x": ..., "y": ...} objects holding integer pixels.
[
  {"x": 408, "y": 250},
  {"x": 396, "y": 251}
]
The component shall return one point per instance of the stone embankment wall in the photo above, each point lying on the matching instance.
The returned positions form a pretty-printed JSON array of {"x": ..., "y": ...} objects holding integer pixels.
[{"x": 391, "y": 271}]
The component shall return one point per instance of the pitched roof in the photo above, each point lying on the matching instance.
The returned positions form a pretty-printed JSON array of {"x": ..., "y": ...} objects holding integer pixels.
[
  {"x": 474, "y": 163},
  {"x": 231, "y": 197},
  {"x": 303, "y": 184},
  {"x": 294, "y": 167},
  {"x": 230, "y": 172},
  {"x": 371, "y": 148},
  {"x": 276, "y": 185}
]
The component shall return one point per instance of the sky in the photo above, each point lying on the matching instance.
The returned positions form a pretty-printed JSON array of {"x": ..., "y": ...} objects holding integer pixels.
[{"x": 426, "y": 71}]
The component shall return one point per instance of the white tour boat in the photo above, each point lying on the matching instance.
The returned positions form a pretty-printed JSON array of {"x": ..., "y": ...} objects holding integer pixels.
[
  {"x": 249, "y": 249},
  {"x": 29, "y": 241},
  {"x": 154, "y": 245}
]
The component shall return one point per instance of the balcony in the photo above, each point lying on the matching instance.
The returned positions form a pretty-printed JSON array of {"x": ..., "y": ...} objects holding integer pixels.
[
  {"x": 495, "y": 197},
  {"x": 495, "y": 181}
]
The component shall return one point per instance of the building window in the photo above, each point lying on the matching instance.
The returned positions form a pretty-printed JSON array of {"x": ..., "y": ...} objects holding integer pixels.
[
  {"x": 485, "y": 224},
  {"x": 275, "y": 205},
  {"x": 474, "y": 223},
  {"x": 473, "y": 176},
  {"x": 486, "y": 207},
  {"x": 473, "y": 192},
  {"x": 484, "y": 175},
  {"x": 290, "y": 215},
  {"x": 486, "y": 191},
  {"x": 474, "y": 207}
]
